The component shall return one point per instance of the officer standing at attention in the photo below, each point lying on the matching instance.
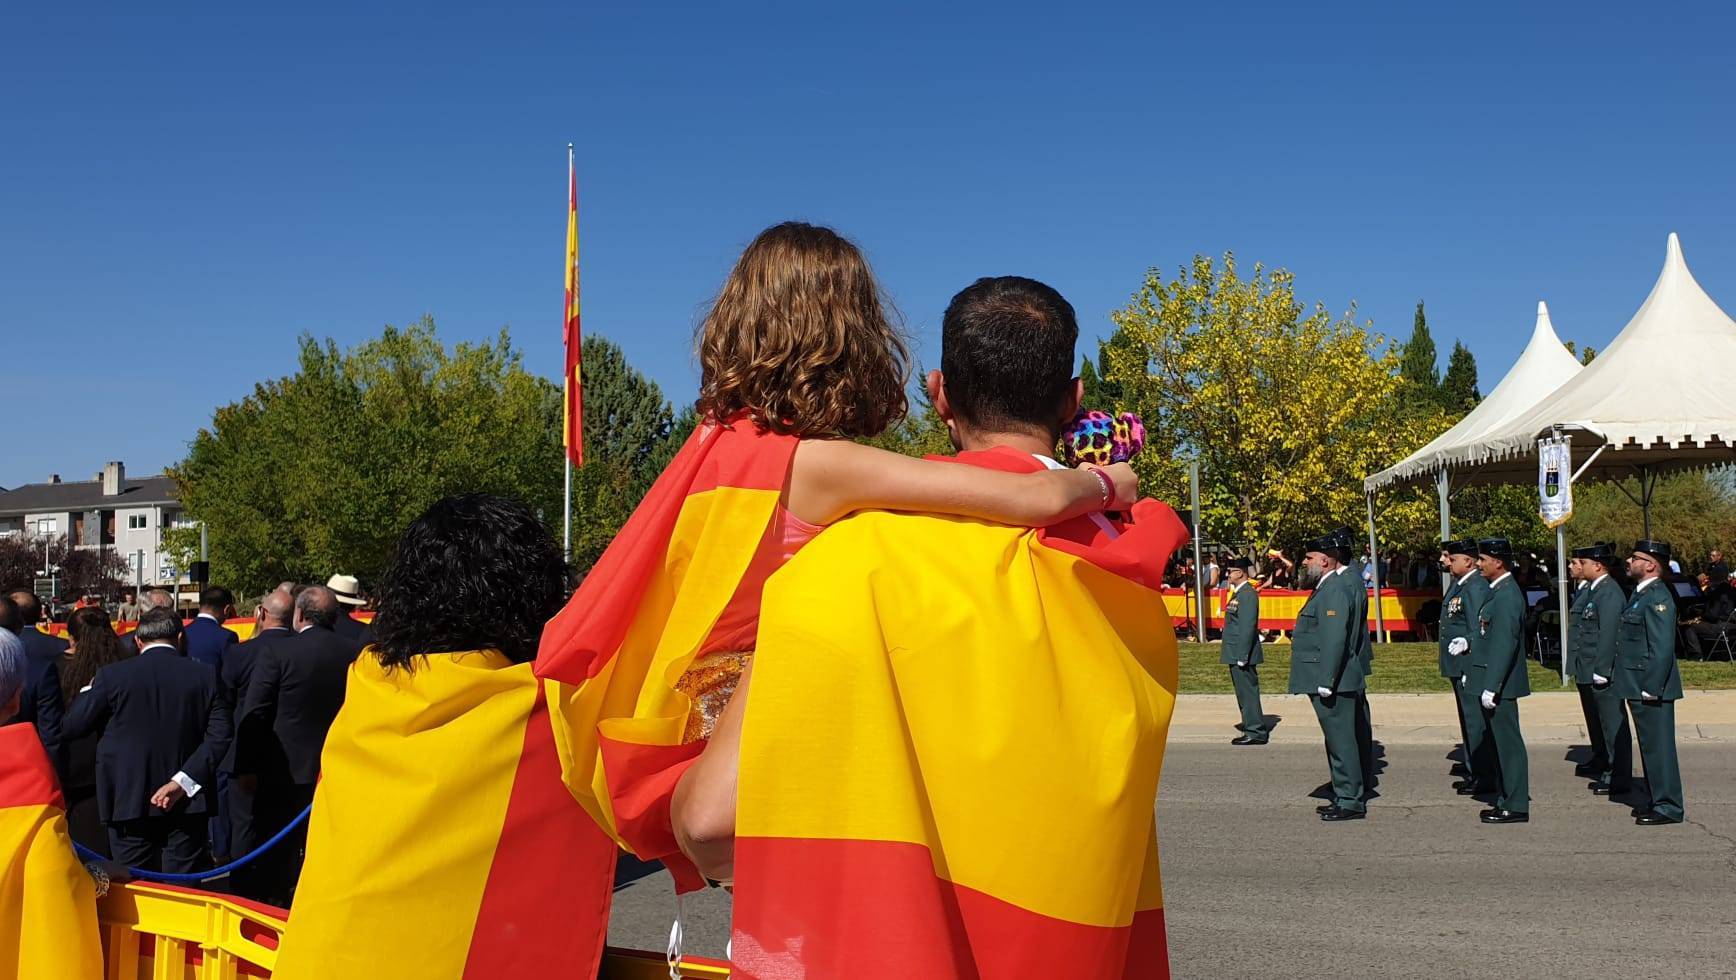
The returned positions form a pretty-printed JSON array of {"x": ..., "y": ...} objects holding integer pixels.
[
  {"x": 1325, "y": 665},
  {"x": 1647, "y": 677},
  {"x": 1498, "y": 672},
  {"x": 1241, "y": 650},
  {"x": 1467, "y": 591},
  {"x": 1595, "y": 617}
]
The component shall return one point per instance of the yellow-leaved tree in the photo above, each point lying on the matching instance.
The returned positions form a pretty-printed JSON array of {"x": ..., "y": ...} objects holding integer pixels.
[{"x": 1286, "y": 409}]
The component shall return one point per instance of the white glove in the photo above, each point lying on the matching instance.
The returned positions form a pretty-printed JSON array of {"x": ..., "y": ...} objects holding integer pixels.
[
  {"x": 1599, "y": 679},
  {"x": 1241, "y": 663},
  {"x": 1646, "y": 697},
  {"x": 1458, "y": 645},
  {"x": 1489, "y": 700},
  {"x": 1462, "y": 679},
  {"x": 1324, "y": 692}
]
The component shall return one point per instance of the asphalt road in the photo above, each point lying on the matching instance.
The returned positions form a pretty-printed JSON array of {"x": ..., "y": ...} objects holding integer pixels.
[{"x": 1257, "y": 886}]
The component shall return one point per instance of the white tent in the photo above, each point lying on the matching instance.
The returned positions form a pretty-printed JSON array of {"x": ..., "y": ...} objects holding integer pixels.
[{"x": 1542, "y": 367}]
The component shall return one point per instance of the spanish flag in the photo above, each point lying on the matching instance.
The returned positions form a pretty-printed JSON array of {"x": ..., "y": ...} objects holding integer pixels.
[
  {"x": 573, "y": 427},
  {"x": 442, "y": 843},
  {"x": 47, "y": 900},
  {"x": 688, "y": 560},
  {"x": 950, "y": 754}
]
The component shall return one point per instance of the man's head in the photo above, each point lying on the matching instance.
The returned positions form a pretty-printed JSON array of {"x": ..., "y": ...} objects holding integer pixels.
[
  {"x": 1459, "y": 557},
  {"x": 316, "y": 606},
  {"x": 1494, "y": 557},
  {"x": 1579, "y": 569},
  {"x": 1716, "y": 555},
  {"x": 1322, "y": 555},
  {"x": 217, "y": 601},
  {"x": 157, "y": 625},
  {"x": 1237, "y": 570},
  {"x": 1650, "y": 559},
  {"x": 11, "y": 620},
  {"x": 1006, "y": 362},
  {"x": 127, "y": 596},
  {"x": 160, "y": 599},
  {"x": 276, "y": 610},
  {"x": 11, "y": 674},
  {"x": 29, "y": 606}
]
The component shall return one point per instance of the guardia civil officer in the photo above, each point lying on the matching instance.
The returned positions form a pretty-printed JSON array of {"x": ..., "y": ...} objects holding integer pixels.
[
  {"x": 1467, "y": 591},
  {"x": 1326, "y": 664},
  {"x": 1498, "y": 673},
  {"x": 1647, "y": 677},
  {"x": 1595, "y": 618},
  {"x": 1241, "y": 650}
]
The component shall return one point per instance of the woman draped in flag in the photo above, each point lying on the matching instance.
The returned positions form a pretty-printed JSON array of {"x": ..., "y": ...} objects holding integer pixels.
[{"x": 799, "y": 356}]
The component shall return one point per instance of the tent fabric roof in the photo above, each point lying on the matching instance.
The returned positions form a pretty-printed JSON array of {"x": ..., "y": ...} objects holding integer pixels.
[
  {"x": 1662, "y": 394},
  {"x": 1542, "y": 367}
]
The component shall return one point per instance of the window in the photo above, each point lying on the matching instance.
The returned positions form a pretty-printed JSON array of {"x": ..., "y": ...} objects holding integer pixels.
[
  {"x": 48, "y": 525},
  {"x": 138, "y": 522}
]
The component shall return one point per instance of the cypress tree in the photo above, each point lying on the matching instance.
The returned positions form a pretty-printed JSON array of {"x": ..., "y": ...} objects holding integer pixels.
[
  {"x": 1459, "y": 386},
  {"x": 1418, "y": 366}
]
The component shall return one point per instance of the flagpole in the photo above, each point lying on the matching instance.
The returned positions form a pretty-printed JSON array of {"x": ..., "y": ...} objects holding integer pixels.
[{"x": 566, "y": 455}]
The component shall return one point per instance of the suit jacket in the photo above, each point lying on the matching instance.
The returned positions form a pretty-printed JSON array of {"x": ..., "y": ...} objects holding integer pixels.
[
  {"x": 205, "y": 640},
  {"x": 1460, "y": 608},
  {"x": 234, "y": 673},
  {"x": 351, "y": 628},
  {"x": 1242, "y": 626},
  {"x": 1497, "y": 651},
  {"x": 296, "y": 690},
  {"x": 39, "y": 703},
  {"x": 1596, "y": 618},
  {"x": 1646, "y": 647},
  {"x": 1325, "y": 651},
  {"x": 158, "y": 713}
]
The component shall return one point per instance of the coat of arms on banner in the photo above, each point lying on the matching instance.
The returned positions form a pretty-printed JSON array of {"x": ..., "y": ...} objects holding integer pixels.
[{"x": 1555, "y": 480}]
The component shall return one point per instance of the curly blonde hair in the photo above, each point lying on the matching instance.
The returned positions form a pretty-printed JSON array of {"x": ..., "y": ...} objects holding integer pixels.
[{"x": 802, "y": 339}]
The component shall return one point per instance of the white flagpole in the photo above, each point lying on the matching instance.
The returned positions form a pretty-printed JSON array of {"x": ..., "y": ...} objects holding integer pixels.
[{"x": 566, "y": 385}]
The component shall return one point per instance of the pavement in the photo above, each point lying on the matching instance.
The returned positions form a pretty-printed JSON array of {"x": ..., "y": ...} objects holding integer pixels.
[{"x": 1256, "y": 886}]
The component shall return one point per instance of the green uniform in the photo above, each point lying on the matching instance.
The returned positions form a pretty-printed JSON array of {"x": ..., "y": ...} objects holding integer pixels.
[
  {"x": 1242, "y": 645},
  {"x": 1326, "y": 653},
  {"x": 1365, "y": 656},
  {"x": 1460, "y": 608},
  {"x": 1595, "y": 618},
  {"x": 1498, "y": 665},
  {"x": 1646, "y": 675}
]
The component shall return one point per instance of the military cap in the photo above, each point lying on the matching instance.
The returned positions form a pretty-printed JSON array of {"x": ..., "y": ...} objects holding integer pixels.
[
  {"x": 1241, "y": 563},
  {"x": 1657, "y": 550},
  {"x": 1460, "y": 546},
  {"x": 1496, "y": 548}
]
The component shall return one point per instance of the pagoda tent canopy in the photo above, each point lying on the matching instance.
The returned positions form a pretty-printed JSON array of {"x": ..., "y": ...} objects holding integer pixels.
[{"x": 1542, "y": 367}]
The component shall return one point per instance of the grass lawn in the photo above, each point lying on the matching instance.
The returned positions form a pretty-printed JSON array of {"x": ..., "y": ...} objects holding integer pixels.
[{"x": 1401, "y": 668}]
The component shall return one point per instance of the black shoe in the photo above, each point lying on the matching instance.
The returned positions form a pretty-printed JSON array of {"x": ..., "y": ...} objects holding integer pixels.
[
  {"x": 1322, "y": 808},
  {"x": 1247, "y": 740},
  {"x": 1496, "y": 815},
  {"x": 1466, "y": 787},
  {"x": 1598, "y": 789},
  {"x": 1459, "y": 770},
  {"x": 1588, "y": 769},
  {"x": 1332, "y": 814},
  {"x": 1652, "y": 818}
]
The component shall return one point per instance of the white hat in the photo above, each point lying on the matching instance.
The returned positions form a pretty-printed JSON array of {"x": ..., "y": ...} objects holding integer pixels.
[{"x": 347, "y": 589}]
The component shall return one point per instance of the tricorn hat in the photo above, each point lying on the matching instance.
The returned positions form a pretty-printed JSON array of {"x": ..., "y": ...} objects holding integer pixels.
[
  {"x": 1241, "y": 563},
  {"x": 1658, "y": 550},
  {"x": 1460, "y": 546},
  {"x": 1496, "y": 548}
]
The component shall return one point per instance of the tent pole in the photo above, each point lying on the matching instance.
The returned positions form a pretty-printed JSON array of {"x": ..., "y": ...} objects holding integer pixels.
[
  {"x": 1204, "y": 601},
  {"x": 1442, "y": 488},
  {"x": 1374, "y": 574},
  {"x": 1561, "y": 583},
  {"x": 1646, "y": 488}
]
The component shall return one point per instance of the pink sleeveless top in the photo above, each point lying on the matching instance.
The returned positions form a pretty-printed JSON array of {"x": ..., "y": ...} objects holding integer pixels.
[{"x": 737, "y": 629}]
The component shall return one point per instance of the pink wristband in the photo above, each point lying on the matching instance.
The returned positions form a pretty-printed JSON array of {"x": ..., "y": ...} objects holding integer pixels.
[{"x": 1107, "y": 488}]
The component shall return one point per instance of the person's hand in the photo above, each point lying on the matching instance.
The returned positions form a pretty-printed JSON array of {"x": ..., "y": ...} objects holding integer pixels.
[
  {"x": 1649, "y": 698},
  {"x": 1489, "y": 700},
  {"x": 1241, "y": 663},
  {"x": 1598, "y": 680},
  {"x": 167, "y": 795},
  {"x": 1123, "y": 484},
  {"x": 1324, "y": 692},
  {"x": 1458, "y": 645}
]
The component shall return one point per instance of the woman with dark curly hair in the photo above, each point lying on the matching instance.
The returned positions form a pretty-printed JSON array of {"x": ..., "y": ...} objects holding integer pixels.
[{"x": 440, "y": 834}]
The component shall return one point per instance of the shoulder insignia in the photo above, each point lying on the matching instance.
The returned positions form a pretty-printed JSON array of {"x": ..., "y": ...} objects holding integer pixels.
[
  {"x": 1660, "y": 607},
  {"x": 1334, "y": 612}
]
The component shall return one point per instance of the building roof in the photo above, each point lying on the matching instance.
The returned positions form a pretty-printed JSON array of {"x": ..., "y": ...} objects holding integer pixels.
[{"x": 48, "y": 498}]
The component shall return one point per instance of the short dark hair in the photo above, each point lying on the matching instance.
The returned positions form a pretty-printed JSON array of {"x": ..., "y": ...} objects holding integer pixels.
[
  {"x": 318, "y": 606},
  {"x": 157, "y": 625},
  {"x": 474, "y": 572},
  {"x": 1006, "y": 352},
  {"x": 10, "y": 618},
  {"x": 216, "y": 598},
  {"x": 29, "y": 606}
]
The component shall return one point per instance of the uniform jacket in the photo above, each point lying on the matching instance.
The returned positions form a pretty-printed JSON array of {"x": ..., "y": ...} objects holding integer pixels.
[
  {"x": 1498, "y": 651},
  {"x": 1327, "y": 650},
  {"x": 1646, "y": 647},
  {"x": 1460, "y": 608},
  {"x": 1242, "y": 626},
  {"x": 1596, "y": 616}
]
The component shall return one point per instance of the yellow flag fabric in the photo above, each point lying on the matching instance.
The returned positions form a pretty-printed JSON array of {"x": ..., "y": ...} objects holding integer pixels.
[
  {"x": 442, "y": 841},
  {"x": 48, "y": 924},
  {"x": 950, "y": 756}
]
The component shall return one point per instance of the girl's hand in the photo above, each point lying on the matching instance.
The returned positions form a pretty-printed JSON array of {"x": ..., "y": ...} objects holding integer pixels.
[{"x": 1123, "y": 485}]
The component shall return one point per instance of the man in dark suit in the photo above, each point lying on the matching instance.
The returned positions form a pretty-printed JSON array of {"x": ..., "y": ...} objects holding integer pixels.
[
  {"x": 1498, "y": 673},
  {"x": 296, "y": 690},
  {"x": 1242, "y": 651},
  {"x": 40, "y": 703},
  {"x": 164, "y": 726},
  {"x": 272, "y": 628},
  {"x": 207, "y": 637},
  {"x": 349, "y": 595}
]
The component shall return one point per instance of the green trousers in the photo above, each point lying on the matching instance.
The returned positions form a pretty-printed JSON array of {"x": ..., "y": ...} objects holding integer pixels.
[
  {"x": 1655, "y": 724},
  {"x": 1512, "y": 768},
  {"x": 1479, "y": 750},
  {"x": 1593, "y": 727},
  {"x": 1246, "y": 681},
  {"x": 1337, "y": 716},
  {"x": 1617, "y": 739},
  {"x": 1365, "y": 743}
]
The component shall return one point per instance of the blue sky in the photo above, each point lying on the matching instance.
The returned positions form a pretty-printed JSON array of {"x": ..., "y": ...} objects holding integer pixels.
[{"x": 183, "y": 194}]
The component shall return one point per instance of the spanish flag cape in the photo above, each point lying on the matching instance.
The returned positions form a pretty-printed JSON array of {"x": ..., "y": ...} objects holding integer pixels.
[
  {"x": 689, "y": 554},
  {"x": 442, "y": 843},
  {"x": 47, "y": 900},
  {"x": 950, "y": 756}
]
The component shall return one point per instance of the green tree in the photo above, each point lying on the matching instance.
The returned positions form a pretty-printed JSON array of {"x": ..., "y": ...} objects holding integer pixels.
[
  {"x": 1585, "y": 352},
  {"x": 1101, "y": 394},
  {"x": 1459, "y": 386},
  {"x": 1418, "y": 366},
  {"x": 1286, "y": 409},
  {"x": 1694, "y": 511}
]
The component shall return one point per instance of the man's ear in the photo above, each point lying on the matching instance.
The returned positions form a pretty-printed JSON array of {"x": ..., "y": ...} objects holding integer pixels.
[
  {"x": 943, "y": 407},
  {"x": 1075, "y": 395}
]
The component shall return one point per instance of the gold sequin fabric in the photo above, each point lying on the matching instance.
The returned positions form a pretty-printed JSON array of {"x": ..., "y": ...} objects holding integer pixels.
[{"x": 710, "y": 682}]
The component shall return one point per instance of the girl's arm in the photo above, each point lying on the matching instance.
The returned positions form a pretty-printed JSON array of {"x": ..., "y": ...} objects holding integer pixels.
[
  {"x": 702, "y": 810},
  {"x": 833, "y": 477}
]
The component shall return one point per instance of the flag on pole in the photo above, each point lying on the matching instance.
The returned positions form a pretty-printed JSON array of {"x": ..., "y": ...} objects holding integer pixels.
[
  {"x": 1555, "y": 480},
  {"x": 573, "y": 432},
  {"x": 953, "y": 754}
]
